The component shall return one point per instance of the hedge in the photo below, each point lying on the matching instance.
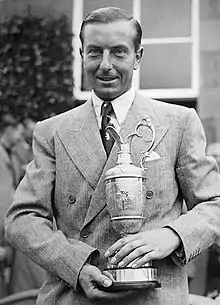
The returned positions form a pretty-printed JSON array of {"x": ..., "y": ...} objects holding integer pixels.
[{"x": 35, "y": 66}]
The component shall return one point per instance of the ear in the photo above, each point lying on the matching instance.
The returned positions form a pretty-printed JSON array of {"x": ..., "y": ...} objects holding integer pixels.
[
  {"x": 138, "y": 57},
  {"x": 81, "y": 52}
]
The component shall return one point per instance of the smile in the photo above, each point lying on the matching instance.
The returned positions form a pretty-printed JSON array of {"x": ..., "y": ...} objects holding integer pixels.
[{"x": 107, "y": 79}]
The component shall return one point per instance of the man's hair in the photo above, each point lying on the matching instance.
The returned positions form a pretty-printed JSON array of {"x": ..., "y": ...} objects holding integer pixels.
[{"x": 108, "y": 15}]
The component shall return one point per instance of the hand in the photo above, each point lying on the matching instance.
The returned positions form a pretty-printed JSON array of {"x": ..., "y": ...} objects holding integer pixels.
[
  {"x": 92, "y": 280},
  {"x": 143, "y": 247}
]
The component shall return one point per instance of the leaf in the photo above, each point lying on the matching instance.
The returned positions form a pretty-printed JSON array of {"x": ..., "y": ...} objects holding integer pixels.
[{"x": 36, "y": 65}]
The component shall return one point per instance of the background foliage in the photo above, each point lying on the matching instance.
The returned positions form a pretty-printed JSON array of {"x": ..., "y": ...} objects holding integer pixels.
[{"x": 35, "y": 66}]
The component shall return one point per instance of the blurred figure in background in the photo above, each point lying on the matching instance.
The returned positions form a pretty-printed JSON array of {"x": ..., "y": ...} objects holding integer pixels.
[
  {"x": 190, "y": 267},
  {"x": 213, "y": 150},
  {"x": 23, "y": 148},
  {"x": 10, "y": 134},
  {"x": 24, "y": 274},
  {"x": 213, "y": 266},
  {"x": 17, "y": 272}
]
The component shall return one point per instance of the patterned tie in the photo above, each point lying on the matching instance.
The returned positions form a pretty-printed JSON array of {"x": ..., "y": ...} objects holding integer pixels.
[{"x": 107, "y": 140}]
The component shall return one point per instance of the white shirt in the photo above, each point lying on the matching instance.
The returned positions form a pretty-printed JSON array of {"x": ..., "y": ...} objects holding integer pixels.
[{"x": 120, "y": 105}]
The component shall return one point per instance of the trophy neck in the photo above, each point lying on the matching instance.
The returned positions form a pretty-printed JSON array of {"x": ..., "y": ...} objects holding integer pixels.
[{"x": 124, "y": 155}]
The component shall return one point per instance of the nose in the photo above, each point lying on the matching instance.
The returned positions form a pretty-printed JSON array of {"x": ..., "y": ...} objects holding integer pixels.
[{"x": 106, "y": 63}]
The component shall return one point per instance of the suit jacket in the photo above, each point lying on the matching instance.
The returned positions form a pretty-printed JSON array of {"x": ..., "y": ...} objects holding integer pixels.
[{"x": 65, "y": 182}]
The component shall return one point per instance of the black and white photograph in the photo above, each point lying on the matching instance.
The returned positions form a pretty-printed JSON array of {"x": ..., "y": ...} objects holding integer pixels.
[{"x": 110, "y": 152}]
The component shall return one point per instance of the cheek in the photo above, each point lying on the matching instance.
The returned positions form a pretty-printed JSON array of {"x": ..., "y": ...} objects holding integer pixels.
[
  {"x": 91, "y": 65},
  {"x": 127, "y": 73}
]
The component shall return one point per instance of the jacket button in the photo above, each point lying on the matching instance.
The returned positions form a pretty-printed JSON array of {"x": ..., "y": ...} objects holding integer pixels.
[
  {"x": 85, "y": 233},
  {"x": 149, "y": 194},
  {"x": 72, "y": 199}
]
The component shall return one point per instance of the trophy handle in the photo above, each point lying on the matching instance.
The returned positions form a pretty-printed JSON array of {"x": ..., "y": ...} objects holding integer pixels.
[
  {"x": 114, "y": 134},
  {"x": 147, "y": 123}
]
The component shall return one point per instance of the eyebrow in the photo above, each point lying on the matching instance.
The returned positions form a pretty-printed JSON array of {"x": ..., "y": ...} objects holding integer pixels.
[
  {"x": 119, "y": 46},
  {"x": 93, "y": 46},
  {"x": 123, "y": 47}
]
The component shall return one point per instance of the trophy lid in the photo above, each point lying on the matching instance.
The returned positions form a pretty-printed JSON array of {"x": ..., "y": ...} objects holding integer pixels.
[{"x": 125, "y": 168}]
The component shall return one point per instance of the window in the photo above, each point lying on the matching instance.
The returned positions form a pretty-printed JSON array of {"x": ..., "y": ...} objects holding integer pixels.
[{"x": 170, "y": 65}]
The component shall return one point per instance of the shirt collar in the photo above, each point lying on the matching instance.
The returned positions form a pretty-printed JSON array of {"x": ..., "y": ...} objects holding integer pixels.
[{"x": 120, "y": 105}]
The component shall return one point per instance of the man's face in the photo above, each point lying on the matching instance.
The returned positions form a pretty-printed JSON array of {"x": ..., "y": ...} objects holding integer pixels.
[
  {"x": 109, "y": 57},
  {"x": 14, "y": 134}
]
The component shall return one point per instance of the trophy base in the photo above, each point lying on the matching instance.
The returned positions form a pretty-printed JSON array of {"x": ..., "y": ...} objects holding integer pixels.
[
  {"x": 119, "y": 286},
  {"x": 128, "y": 278}
]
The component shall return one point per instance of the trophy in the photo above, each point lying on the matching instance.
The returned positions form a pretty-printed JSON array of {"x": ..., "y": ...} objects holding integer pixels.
[{"x": 126, "y": 200}]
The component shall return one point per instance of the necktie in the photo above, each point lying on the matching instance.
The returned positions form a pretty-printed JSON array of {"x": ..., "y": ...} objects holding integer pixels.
[{"x": 107, "y": 140}]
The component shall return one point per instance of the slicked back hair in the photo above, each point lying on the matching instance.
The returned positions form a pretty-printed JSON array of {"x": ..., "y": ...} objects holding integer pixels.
[{"x": 111, "y": 14}]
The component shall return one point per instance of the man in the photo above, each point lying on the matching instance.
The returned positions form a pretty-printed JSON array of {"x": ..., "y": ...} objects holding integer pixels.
[
  {"x": 65, "y": 182},
  {"x": 23, "y": 149},
  {"x": 213, "y": 149},
  {"x": 24, "y": 274},
  {"x": 10, "y": 132}
]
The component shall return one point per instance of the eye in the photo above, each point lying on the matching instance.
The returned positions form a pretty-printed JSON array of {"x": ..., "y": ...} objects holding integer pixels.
[
  {"x": 119, "y": 52},
  {"x": 94, "y": 52}
]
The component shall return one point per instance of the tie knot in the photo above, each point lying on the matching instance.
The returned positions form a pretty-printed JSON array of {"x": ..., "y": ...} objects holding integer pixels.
[{"x": 106, "y": 109}]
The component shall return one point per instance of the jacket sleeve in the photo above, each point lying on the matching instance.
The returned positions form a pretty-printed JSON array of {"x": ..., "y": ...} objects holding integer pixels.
[
  {"x": 199, "y": 182},
  {"x": 29, "y": 221}
]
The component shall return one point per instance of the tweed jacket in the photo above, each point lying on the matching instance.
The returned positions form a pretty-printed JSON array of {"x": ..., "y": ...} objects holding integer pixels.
[{"x": 65, "y": 183}]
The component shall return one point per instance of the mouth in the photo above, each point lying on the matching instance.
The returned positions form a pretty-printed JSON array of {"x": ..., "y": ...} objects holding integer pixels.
[{"x": 107, "y": 78}]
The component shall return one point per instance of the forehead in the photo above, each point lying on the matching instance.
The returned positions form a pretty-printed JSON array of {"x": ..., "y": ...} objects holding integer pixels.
[{"x": 109, "y": 33}]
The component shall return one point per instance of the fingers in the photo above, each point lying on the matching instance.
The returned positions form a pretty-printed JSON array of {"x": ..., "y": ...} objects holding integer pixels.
[
  {"x": 138, "y": 249},
  {"x": 90, "y": 276},
  {"x": 141, "y": 261},
  {"x": 122, "y": 243},
  {"x": 114, "y": 296},
  {"x": 128, "y": 249},
  {"x": 95, "y": 285},
  {"x": 137, "y": 254}
]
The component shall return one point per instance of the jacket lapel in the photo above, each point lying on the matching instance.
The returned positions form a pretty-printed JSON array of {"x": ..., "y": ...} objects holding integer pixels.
[
  {"x": 81, "y": 138},
  {"x": 138, "y": 110}
]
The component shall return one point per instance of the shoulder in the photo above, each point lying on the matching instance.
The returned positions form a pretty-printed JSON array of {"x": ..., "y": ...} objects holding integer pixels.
[
  {"x": 51, "y": 125},
  {"x": 167, "y": 107},
  {"x": 167, "y": 111}
]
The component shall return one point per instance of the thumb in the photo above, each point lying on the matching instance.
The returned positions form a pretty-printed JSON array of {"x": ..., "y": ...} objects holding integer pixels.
[
  {"x": 107, "y": 282},
  {"x": 100, "y": 278}
]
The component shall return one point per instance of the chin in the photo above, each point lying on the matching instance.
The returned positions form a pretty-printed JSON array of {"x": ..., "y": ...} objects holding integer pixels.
[{"x": 108, "y": 93}]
